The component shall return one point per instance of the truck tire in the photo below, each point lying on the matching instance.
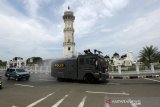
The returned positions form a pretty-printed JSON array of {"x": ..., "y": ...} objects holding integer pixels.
[
  {"x": 60, "y": 79},
  {"x": 89, "y": 78}
]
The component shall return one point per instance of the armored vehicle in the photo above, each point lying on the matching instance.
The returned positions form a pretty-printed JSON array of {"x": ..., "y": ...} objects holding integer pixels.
[{"x": 88, "y": 67}]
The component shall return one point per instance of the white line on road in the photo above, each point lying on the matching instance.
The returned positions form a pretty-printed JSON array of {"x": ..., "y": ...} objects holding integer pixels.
[
  {"x": 38, "y": 101},
  {"x": 24, "y": 85},
  {"x": 82, "y": 102},
  {"x": 107, "y": 93},
  {"x": 60, "y": 101},
  {"x": 132, "y": 103},
  {"x": 46, "y": 80},
  {"x": 151, "y": 79},
  {"x": 107, "y": 105}
]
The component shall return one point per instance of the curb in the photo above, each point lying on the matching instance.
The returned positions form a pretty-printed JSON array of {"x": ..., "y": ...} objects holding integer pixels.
[{"x": 133, "y": 77}]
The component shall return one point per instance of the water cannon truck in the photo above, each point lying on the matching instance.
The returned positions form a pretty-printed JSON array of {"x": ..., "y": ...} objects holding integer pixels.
[{"x": 90, "y": 67}]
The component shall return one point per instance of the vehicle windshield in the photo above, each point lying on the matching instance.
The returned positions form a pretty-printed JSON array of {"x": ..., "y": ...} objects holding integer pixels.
[
  {"x": 102, "y": 61},
  {"x": 21, "y": 70}
]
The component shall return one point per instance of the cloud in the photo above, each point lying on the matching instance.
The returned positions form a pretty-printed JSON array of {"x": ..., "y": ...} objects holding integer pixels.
[
  {"x": 24, "y": 33},
  {"x": 138, "y": 33},
  {"x": 115, "y": 5},
  {"x": 145, "y": 27},
  {"x": 108, "y": 25},
  {"x": 33, "y": 6},
  {"x": 106, "y": 30},
  {"x": 89, "y": 13},
  {"x": 21, "y": 35}
]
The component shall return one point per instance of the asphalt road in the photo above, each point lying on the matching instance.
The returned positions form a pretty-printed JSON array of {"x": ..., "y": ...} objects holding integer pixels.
[{"x": 44, "y": 91}]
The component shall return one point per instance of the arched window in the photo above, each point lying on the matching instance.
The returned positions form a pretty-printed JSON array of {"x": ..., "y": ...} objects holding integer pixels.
[
  {"x": 68, "y": 40},
  {"x": 69, "y": 48}
]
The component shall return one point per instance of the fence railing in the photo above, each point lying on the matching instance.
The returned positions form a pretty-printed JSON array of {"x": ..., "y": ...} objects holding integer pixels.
[
  {"x": 135, "y": 69},
  {"x": 2, "y": 68},
  {"x": 40, "y": 69}
]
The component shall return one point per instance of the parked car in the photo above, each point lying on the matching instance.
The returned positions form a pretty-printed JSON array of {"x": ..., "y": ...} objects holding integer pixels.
[
  {"x": 0, "y": 82},
  {"x": 17, "y": 74}
]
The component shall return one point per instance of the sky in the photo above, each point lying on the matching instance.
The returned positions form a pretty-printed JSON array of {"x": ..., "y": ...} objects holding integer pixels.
[{"x": 35, "y": 27}]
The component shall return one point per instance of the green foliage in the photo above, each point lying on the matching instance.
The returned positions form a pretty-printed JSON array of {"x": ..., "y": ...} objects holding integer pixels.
[
  {"x": 149, "y": 54},
  {"x": 35, "y": 60},
  {"x": 3, "y": 63}
]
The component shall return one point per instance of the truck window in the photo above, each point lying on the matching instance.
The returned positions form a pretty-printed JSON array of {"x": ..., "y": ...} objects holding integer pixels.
[
  {"x": 103, "y": 62},
  {"x": 90, "y": 61},
  {"x": 87, "y": 61},
  {"x": 81, "y": 61}
]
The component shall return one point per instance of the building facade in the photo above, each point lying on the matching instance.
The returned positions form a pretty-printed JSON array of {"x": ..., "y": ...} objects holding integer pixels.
[
  {"x": 16, "y": 62},
  {"x": 125, "y": 60},
  {"x": 68, "y": 44}
]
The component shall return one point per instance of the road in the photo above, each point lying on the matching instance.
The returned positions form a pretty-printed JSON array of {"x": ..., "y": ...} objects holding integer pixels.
[{"x": 44, "y": 91}]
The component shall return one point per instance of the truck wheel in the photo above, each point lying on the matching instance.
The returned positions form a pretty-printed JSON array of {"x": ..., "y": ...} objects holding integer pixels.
[
  {"x": 60, "y": 79},
  {"x": 89, "y": 78}
]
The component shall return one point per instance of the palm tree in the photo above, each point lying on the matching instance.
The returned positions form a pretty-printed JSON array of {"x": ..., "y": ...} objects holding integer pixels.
[{"x": 149, "y": 54}]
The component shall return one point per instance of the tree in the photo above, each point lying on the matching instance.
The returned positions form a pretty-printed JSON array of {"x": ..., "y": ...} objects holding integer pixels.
[
  {"x": 3, "y": 63},
  {"x": 149, "y": 54},
  {"x": 35, "y": 60},
  {"x": 158, "y": 57}
]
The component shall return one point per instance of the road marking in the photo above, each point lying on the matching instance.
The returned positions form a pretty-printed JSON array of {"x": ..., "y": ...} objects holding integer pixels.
[
  {"x": 14, "y": 106},
  {"x": 24, "y": 85},
  {"x": 46, "y": 80},
  {"x": 151, "y": 79},
  {"x": 112, "y": 83},
  {"x": 93, "y": 92},
  {"x": 132, "y": 103},
  {"x": 38, "y": 101},
  {"x": 82, "y": 102},
  {"x": 60, "y": 101},
  {"x": 107, "y": 105}
]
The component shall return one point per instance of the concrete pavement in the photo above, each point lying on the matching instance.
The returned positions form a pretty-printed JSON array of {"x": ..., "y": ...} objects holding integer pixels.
[{"x": 44, "y": 91}]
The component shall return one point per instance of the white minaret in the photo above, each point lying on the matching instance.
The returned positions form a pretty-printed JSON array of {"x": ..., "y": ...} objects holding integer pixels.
[{"x": 68, "y": 44}]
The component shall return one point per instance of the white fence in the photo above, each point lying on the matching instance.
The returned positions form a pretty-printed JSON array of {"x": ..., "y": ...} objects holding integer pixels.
[
  {"x": 38, "y": 69},
  {"x": 2, "y": 68},
  {"x": 137, "y": 69},
  {"x": 118, "y": 70}
]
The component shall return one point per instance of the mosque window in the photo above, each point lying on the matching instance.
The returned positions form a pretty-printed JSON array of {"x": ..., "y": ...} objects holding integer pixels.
[
  {"x": 68, "y": 40},
  {"x": 69, "y": 48}
]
